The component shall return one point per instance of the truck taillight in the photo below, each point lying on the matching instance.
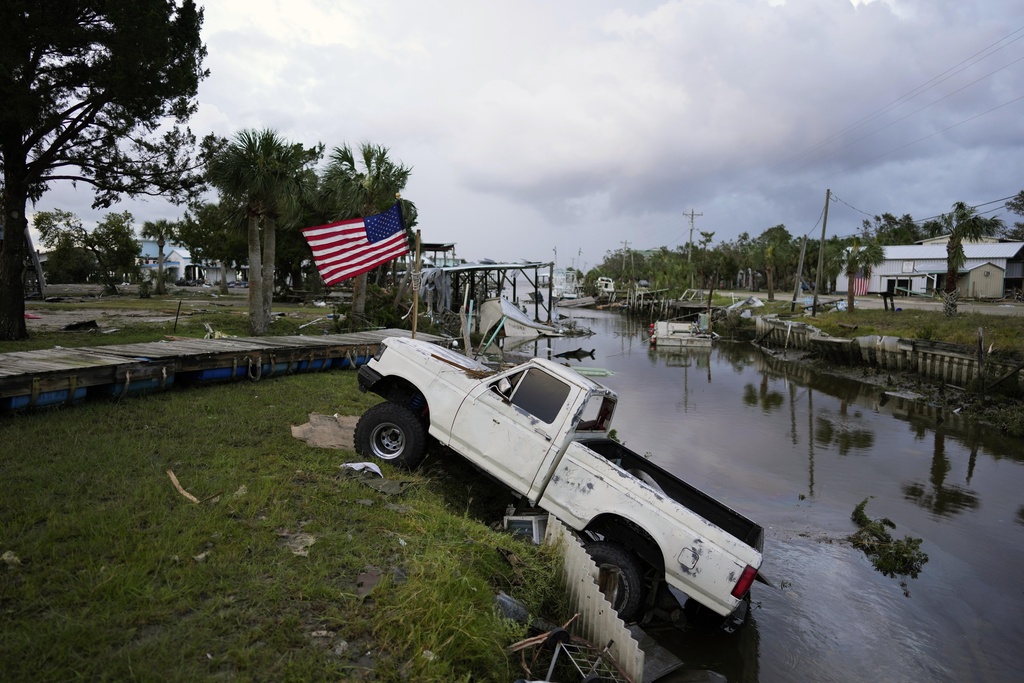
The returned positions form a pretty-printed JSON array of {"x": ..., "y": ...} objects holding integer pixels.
[{"x": 746, "y": 580}]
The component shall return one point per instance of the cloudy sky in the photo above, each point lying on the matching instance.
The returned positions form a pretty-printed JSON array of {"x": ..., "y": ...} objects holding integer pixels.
[{"x": 583, "y": 125}]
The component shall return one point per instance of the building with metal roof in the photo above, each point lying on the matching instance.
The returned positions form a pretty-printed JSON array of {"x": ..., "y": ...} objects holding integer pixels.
[{"x": 990, "y": 269}]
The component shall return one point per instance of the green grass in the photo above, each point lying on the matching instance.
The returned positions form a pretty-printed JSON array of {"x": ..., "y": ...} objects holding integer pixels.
[
  {"x": 1002, "y": 332},
  {"x": 119, "y": 577},
  {"x": 227, "y": 316}
]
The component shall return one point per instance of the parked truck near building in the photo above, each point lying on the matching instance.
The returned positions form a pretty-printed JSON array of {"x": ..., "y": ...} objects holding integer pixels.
[{"x": 542, "y": 430}]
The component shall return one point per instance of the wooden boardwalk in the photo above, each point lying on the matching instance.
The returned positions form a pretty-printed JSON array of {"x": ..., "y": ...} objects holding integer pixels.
[{"x": 55, "y": 376}]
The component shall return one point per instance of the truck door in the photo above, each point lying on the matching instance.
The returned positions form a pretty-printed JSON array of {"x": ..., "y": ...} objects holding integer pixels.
[{"x": 509, "y": 425}]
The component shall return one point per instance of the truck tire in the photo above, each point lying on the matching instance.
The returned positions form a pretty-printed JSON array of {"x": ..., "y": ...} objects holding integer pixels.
[
  {"x": 629, "y": 598},
  {"x": 392, "y": 433}
]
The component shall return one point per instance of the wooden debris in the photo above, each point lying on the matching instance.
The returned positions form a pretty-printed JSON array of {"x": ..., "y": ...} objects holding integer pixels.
[{"x": 174, "y": 480}]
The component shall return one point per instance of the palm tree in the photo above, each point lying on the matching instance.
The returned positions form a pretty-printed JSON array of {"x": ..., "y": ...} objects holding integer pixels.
[
  {"x": 963, "y": 223},
  {"x": 351, "y": 191},
  {"x": 832, "y": 268},
  {"x": 776, "y": 245},
  {"x": 161, "y": 231},
  {"x": 266, "y": 178},
  {"x": 861, "y": 257}
]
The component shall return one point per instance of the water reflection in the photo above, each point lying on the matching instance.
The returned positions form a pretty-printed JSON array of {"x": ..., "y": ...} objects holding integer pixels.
[
  {"x": 843, "y": 432},
  {"x": 937, "y": 496},
  {"x": 762, "y": 396},
  {"x": 797, "y": 451}
]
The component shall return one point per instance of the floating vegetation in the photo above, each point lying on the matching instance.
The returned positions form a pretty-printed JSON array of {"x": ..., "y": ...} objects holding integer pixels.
[{"x": 892, "y": 557}]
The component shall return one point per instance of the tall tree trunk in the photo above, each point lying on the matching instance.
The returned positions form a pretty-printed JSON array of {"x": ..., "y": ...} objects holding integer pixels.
[
  {"x": 359, "y": 295},
  {"x": 160, "y": 267},
  {"x": 13, "y": 253},
  {"x": 949, "y": 303},
  {"x": 849, "y": 292},
  {"x": 223, "y": 277},
  {"x": 269, "y": 256},
  {"x": 258, "y": 322},
  {"x": 951, "y": 292}
]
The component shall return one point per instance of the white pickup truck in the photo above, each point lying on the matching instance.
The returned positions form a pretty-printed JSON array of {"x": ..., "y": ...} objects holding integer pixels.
[{"x": 542, "y": 429}]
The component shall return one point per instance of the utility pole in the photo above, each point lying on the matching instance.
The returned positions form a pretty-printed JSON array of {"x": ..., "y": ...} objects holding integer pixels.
[
  {"x": 821, "y": 256},
  {"x": 799, "y": 275},
  {"x": 689, "y": 251}
]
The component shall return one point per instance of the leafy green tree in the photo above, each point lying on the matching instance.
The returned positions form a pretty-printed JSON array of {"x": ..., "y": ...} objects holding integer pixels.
[
  {"x": 1016, "y": 205},
  {"x": 95, "y": 93},
  {"x": 67, "y": 262},
  {"x": 776, "y": 254},
  {"x": 162, "y": 231},
  {"x": 704, "y": 258},
  {"x": 835, "y": 258},
  {"x": 214, "y": 233},
  {"x": 111, "y": 244},
  {"x": 267, "y": 179},
  {"x": 891, "y": 230},
  {"x": 617, "y": 265},
  {"x": 863, "y": 255},
  {"x": 963, "y": 224},
  {"x": 357, "y": 187},
  {"x": 933, "y": 228}
]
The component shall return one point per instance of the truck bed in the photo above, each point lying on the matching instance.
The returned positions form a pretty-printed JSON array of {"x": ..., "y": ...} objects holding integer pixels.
[{"x": 693, "y": 498}]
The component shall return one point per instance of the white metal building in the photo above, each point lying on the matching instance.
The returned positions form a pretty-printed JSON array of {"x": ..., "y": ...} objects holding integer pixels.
[{"x": 991, "y": 268}]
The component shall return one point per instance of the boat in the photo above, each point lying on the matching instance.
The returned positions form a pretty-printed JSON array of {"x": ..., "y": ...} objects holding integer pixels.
[
  {"x": 513, "y": 322},
  {"x": 605, "y": 289},
  {"x": 677, "y": 333},
  {"x": 562, "y": 283}
]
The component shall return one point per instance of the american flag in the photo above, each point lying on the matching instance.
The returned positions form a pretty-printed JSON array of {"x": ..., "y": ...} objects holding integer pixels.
[
  {"x": 860, "y": 285},
  {"x": 348, "y": 248}
]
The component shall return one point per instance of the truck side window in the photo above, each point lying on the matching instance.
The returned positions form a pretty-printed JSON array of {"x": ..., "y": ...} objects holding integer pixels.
[
  {"x": 541, "y": 395},
  {"x": 506, "y": 385},
  {"x": 595, "y": 419}
]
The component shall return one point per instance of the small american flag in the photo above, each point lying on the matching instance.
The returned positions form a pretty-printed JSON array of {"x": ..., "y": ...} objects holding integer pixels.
[
  {"x": 348, "y": 248},
  {"x": 860, "y": 285}
]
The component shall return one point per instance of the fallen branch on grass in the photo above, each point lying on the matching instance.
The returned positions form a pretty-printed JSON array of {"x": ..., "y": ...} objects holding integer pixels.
[{"x": 174, "y": 480}]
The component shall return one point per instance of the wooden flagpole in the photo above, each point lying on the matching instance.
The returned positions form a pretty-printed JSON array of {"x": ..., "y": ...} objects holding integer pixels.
[{"x": 416, "y": 286}]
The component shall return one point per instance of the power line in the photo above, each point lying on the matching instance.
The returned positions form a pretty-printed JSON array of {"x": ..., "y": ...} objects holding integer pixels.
[
  {"x": 921, "y": 139},
  {"x": 921, "y": 221},
  {"x": 927, "y": 106},
  {"x": 924, "y": 87}
]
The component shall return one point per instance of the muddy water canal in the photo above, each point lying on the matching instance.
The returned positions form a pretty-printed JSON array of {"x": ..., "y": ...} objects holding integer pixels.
[{"x": 796, "y": 452}]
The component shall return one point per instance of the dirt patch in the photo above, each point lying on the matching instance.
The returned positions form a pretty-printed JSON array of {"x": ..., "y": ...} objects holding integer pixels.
[{"x": 328, "y": 431}]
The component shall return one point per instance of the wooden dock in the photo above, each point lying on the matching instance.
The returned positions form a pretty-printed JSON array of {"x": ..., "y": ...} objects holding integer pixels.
[{"x": 68, "y": 375}]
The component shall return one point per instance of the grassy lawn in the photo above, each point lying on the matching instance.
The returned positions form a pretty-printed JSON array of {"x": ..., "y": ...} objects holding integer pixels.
[
  {"x": 110, "y": 574},
  {"x": 184, "y": 317},
  {"x": 1003, "y": 332}
]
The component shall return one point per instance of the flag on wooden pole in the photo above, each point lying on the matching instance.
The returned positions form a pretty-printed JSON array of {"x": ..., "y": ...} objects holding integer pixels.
[{"x": 348, "y": 248}]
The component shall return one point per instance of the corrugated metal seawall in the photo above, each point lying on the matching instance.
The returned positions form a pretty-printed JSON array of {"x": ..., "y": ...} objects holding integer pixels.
[
  {"x": 937, "y": 361},
  {"x": 598, "y": 623}
]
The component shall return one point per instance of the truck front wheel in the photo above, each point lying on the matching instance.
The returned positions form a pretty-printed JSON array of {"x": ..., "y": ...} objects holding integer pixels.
[
  {"x": 393, "y": 433},
  {"x": 630, "y": 594}
]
